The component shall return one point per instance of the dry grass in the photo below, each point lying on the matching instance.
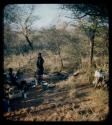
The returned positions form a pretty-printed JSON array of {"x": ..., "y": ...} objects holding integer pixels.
[
  {"x": 94, "y": 107},
  {"x": 27, "y": 63},
  {"x": 66, "y": 106},
  {"x": 67, "y": 84}
]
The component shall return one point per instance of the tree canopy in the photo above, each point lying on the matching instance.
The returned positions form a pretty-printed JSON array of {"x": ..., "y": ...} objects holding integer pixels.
[{"x": 83, "y": 10}]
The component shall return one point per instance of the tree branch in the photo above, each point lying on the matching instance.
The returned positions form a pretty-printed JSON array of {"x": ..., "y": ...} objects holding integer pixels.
[{"x": 78, "y": 17}]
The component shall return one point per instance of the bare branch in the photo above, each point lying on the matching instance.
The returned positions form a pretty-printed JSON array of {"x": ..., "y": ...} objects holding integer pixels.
[{"x": 78, "y": 17}]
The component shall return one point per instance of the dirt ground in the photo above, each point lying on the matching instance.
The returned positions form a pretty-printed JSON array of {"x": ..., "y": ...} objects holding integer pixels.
[{"x": 81, "y": 102}]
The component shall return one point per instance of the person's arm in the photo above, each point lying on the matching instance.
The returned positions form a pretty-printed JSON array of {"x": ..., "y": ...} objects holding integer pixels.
[
  {"x": 42, "y": 61},
  {"x": 37, "y": 63}
]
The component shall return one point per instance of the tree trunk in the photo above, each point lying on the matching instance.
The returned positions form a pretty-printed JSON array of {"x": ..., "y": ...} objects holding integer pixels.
[
  {"x": 91, "y": 51},
  {"x": 61, "y": 60},
  {"x": 91, "y": 57},
  {"x": 29, "y": 42}
]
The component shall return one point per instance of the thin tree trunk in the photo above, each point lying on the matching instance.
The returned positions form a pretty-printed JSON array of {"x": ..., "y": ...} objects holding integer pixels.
[
  {"x": 91, "y": 52},
  {"x": 91, "y": 57},
  {"x": 29, "y": 42},
  {"x": 61, "y": 60}
]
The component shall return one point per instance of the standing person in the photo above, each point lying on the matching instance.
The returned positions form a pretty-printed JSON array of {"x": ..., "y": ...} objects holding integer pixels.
[
  {"x": 98, "y": 77},
  {"x": 40, "y": 68}
]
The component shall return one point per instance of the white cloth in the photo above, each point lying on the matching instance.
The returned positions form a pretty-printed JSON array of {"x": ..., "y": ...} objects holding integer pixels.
[
  {"x": 45, "y": 83},
  {"x": 25, "y": 95},
  {"x": 98, "y": 74}
]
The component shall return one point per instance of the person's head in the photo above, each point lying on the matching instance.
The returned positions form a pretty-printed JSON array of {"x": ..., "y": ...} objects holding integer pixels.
[
  {"x": 39, "y": 54},
  {"x": 100, "y": 70}
]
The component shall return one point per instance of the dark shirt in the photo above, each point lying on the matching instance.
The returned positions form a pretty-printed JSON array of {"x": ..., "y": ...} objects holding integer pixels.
[
  {"x": 40, "y": 62},
  {"x": 40, "y": 68},
  {"x": 12, "y": 77}
]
